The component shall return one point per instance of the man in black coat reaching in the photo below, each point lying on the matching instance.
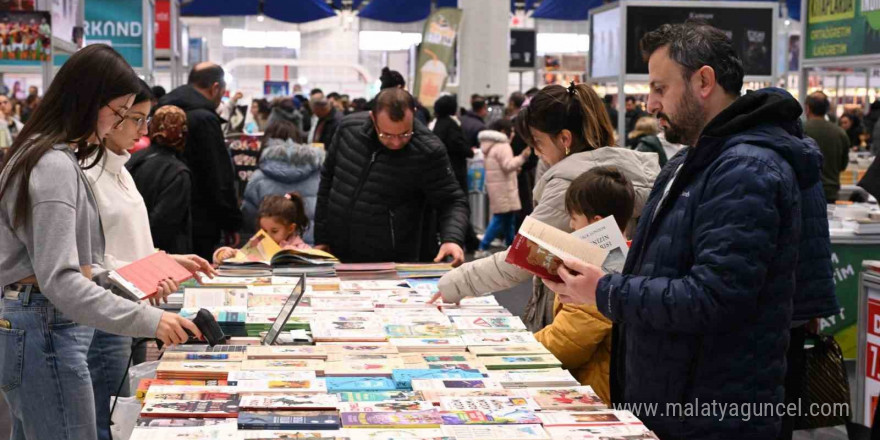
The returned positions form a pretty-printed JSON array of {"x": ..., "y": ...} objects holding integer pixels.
[
  {"x": 383, "y": 179},
  {"x": 215, "y": 207}
]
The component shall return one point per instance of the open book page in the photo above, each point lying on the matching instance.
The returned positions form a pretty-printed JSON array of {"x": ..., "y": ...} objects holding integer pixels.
[
  {"x": 606, "y": 234},
  {"x": 560, "y": 243},
  {"x": 259, "y": 249}
]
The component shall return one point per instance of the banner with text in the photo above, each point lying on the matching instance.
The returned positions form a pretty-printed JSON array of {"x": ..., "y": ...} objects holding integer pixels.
[
  {"x": 837, "y": 28},
  {"x": 436, "y": 54},
  {"x": 117, "y": 23}
]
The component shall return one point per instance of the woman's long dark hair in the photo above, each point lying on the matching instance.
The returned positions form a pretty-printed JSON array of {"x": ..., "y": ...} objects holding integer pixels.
[
  {"x": 68, "y": 114},
  {"x": 577, "y": 109}
]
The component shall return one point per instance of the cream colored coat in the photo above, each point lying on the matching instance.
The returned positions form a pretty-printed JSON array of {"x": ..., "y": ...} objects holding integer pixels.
[
  {"x": 492, "y": 274},
  {"x": 501, "y": 169}
]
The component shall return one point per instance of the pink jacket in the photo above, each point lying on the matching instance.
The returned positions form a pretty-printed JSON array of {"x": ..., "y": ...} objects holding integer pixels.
[{"x": 501, "y": 170}]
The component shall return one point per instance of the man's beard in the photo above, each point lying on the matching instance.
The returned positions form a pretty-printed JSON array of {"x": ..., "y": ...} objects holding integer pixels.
[{"x": 685, "y": 126}]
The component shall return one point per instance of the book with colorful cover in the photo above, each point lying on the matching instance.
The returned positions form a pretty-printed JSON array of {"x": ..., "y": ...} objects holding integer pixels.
[
  {"x": 141, "y": 278},
  {"x": 236, "y": 376},
  {"x": 462, "y": 384},
  {"x": 521, "y": 362},
  {"x": 287, "y": 352},
  {"x": 567, "y": 399},
  {"x": 540, "y": 249},
  {"x": 284, "y": 435},
  {"x": 191, "y": 408},
  {"x": 420, "y": 331},
  {"x": 539, "y": 378},
  {"x": 613, "y": 432},
  {"x": 513, "y": 338},
  {"x": 420, "y": 419},
  {"x": 508, "y": 350},
  {"x": 315, "y": 365},
  {"x": 504, "y": 323},
  {"x": 386, "y": 406},
  {"x": 469, "y": 311},
  {"x": 145, "y": 384},
  {"x": 427, "y": 286},
  {"x": 606, "y": 235},
  {"x": 214, "y": 357},
  {"x": 278, "y": 386},
  {"x": 182, "y": 422},
  {"x": 261, "y": 251},
  {"x": 347, "y": 327},
  {"x": 205, "y": 297},
  {"x": 374, "y": 285},
  {"x": 171, "y": 392},
  {"x": 354, "y": 384},
  {"x": 290, "y": 401},
  {"x": 409, "y": 345},
  {"x": 223, "y": 281},
  {"x": 350, "y": 347},
  {"x": 507, "y": 416},
  {"x": 395, "y": 434},
  {"x": 184, "y": 433},
  {"x": 487, "y": 404},
  {"x": 497, "y": 432},
  {"x": 289, "y": 420},
  {"x": 436, "y": 396},
  {"x": 381, "y": 396},
  {"x": 364, "y": 367},
  {"x": 583, "y": 418},
  {"x": 195, "y": 370},
  {"x": 404, "y": 378}
]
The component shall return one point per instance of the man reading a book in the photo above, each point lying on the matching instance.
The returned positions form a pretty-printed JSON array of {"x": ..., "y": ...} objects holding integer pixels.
[
  {"x": 388, "y": 191},
  {"x": 703, "y": 307}
]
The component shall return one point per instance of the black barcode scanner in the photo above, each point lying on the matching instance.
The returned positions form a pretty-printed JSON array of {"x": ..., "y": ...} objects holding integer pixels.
[{"x": 209, "y": 327}]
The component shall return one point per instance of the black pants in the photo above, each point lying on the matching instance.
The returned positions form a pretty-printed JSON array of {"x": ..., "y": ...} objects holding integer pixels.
[{"x": 794, "y": 377}]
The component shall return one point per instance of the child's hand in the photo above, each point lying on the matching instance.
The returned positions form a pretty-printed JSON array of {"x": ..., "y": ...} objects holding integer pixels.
[{"x": 223, "y": 254}]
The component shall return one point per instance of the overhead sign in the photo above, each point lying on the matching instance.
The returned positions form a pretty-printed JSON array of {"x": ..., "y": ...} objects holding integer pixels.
[
  {"x": 117, "y": 23},
  {"x": 523, "y": 45},
  {"x": 163, "y": 25},
  {"x": 842, "y": 28},
  {"x": 751, "y": 30}
]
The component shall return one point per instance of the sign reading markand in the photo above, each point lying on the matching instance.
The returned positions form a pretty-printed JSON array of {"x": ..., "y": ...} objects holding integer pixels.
[
  {"x": 436, "y": 54},
  {"x": 839, "y": 28},
  {"x": 117, "y": 23}
]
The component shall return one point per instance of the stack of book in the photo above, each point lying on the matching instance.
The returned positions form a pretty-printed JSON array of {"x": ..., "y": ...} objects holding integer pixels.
[
  {"x": 422, "y": 270},
  {"x": 366, "y": 271}
]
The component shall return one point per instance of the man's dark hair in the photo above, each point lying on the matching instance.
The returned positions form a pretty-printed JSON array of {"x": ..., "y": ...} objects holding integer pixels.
[
  {"x": 818, "y": 103},
  {"x": 158, "y": 92},
  {"x": 205, "y": 77},
  {"x": 608, "y": 99},
  {"x": 602, "y": 191},
  {"x": 395, "y": 102},
  {"x": 694, "y": 44},
  {"x": 316, "y": 91},
  {"x": 502, "y": 125},
  {"x": 283, "y": 129},
  {"x": 478, "y": 104},
  {"x": 532, "y": 92},
  {"x": 445, "y": 106},
  {"x": 631, "y": 99},
  {"x": 517, "y": 99},
  {"x": 334, "y": 95}
]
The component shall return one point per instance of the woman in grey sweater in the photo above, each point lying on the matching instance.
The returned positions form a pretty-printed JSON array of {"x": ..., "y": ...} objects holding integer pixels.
[{"x": 50, "y": 242}]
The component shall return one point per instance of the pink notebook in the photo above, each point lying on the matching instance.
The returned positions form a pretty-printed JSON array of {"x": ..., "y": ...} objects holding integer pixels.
[{"x": 142, "y": 277}]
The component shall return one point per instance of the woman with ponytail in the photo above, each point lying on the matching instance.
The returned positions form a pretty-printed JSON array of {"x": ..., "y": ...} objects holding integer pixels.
[{"x": 569, "y": 129}]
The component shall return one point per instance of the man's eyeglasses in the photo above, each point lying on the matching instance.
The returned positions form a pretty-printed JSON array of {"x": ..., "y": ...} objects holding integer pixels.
[{"x": 402, "y": 136}]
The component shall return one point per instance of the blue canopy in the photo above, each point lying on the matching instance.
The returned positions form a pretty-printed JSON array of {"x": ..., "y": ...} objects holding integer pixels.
[
  {"x": 305, "y": 10},
  {"x": 571, "y": 10},
  {"x": 397, "y": 11},
  {"x": 794, "y": 9}
]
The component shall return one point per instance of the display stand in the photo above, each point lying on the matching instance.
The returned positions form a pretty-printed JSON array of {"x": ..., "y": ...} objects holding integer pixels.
[
  {"x": 615, "y": 59},
  {"x": 868, "y": 370},
  {"x": 847, "y": 253}
]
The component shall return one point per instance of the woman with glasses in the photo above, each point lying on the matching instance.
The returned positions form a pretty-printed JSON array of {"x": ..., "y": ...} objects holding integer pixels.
[
  {"x": 51, "y": 242},
  {"x": 126, "y": 227}
]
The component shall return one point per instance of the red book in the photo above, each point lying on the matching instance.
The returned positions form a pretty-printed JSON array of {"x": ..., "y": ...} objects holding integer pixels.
[
  {"x": 540, "y": 249},
  {"x": 532, "y": 257},
  {"x": 142, "y": 277}
]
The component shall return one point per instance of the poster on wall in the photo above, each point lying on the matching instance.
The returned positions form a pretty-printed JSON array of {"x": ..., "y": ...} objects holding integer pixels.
[
  {"x": 64, "y": 14},
  {"x": 276, "y": 88},
  {"x": 117, "y": 23},
  {"x": 25, "y": 36},
  {"x": 751, "y": 30},
  {"x": 436, "y": 54},
  {"x": 842, "y": 28},
  {"x": 872, "y": 354},
  {"x": 605, "y": 44},
  {"x": 18, "y": 5},
  {"x": 523, "y": 48},
  {"x": 163, "y": 25}
]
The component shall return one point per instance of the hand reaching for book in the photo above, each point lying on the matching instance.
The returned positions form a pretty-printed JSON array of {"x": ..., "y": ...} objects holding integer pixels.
[
  {"x": 451, "y": 250},
  {"x": 172, "y": 329},
  {"x": 222, "y": 254},
  {"x": 579, "y": 281},
  {"x": 439, "y": 297},
  {"x": 196, "y": 264}
]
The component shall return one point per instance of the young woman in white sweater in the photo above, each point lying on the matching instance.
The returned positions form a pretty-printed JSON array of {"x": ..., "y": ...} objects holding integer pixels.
[{"x": 127, "y": 235}]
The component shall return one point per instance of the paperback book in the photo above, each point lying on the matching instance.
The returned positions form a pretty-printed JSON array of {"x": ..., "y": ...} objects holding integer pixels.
[
  {"x": 540, "y": 249},
  {"x": 497, "y": 432},
  {"x": 513, "y": 338},
  {"x": 287, "y": 352},
  {"x": 354, "y": 384},
  {"x": 374, "y": 285},
  {"x": 141, "y": 278},
  {"x": 278, "y": 386},
  {"x": 289, "y": 420},
  {"x": 420, "y": 419},
  {"x": 184, "y": 433},
  {"x": 191, "y": 408},
  {"x": 315, "y": 365},
  {"x": 196, "y": 370},
  {"x": 404, "y": 378},
  {"x": 387, "y": 406},
  {"x": 182, "y": 422},
  {"x": 284, "y": 435},
  {"x": 422, "y": 345},
  {"x": 596, "y": 418},
  {"x": 237, "y": 376},
  {"x": 289, "y": 401},
  {"x": 540, "y": 378},
  {"x": 521, "y": 362},
  {"x": 614, "y": 432},
  {"x": 504, "y": 323},
  {"x": 207, "y": 298},
  {"x": 435, "y": 396},
  {"x": 455, "y": 384},
  {"x": 487, "y": 404},
  {"x": 567, "y": 399},
  {"x": 381, "y": 396},
  {"x": 395, "y": 434},
  {"x": 607, "y": 236},
  {"x": 213, "y": 357},
  {"x": 508, "y": 416},
  {"x": 508, "y": 350}
]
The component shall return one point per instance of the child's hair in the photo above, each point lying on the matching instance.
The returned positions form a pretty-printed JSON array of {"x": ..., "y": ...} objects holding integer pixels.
[
  {"x": 601, "y": 191},
  {"x": 289, "y": 208},
  {"x": 503, "y": 125}
]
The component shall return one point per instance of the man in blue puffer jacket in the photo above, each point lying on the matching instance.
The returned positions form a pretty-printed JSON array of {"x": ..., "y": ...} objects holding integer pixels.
[{"x": 703, "y": 307}]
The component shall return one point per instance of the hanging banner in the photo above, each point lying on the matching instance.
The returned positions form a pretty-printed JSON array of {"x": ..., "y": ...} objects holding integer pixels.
[
  {"x": 163, "y": 25},
  {"x": 117, "y": 23},
  {"x": 25, "y": 37},
  {"x": 64, "y": 14},
  {"x": 436, "y": 54},
  {"x": 842, "y": 28}
]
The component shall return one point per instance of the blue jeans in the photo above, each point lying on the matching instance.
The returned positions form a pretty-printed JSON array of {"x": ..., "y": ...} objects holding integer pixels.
[
  {"x": 500, "y": 224},
  {"x": 108, "y": 358},
  {"x": 43, "y": 372}
]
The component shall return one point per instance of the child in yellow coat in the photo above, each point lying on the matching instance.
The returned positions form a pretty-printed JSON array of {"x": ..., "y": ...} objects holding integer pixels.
[{"x": 580, "y": 336}]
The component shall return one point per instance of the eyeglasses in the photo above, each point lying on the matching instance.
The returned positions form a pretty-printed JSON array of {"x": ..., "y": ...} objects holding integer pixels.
[
  {"x": 388, "y": 137},
  {"x": 142, "y": 122}
]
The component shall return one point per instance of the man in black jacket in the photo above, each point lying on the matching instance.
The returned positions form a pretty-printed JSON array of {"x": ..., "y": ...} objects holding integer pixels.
[
  {"x": 474, "y": 121},
  {"x": 329, "y": 118},
  {"x": 382, "y": 175},
  {"x": 215, "y": 206}
]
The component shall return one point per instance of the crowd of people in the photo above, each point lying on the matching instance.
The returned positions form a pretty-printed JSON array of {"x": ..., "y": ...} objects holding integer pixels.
[{"x": 723, "y": 195}]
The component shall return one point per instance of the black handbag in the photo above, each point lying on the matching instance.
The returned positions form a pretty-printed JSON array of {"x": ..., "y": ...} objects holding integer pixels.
[{"x": 825, "y": 385}]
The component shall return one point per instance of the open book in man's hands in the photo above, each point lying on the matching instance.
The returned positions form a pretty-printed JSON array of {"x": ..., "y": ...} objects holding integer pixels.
[{"x": 540, "y": 249}]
